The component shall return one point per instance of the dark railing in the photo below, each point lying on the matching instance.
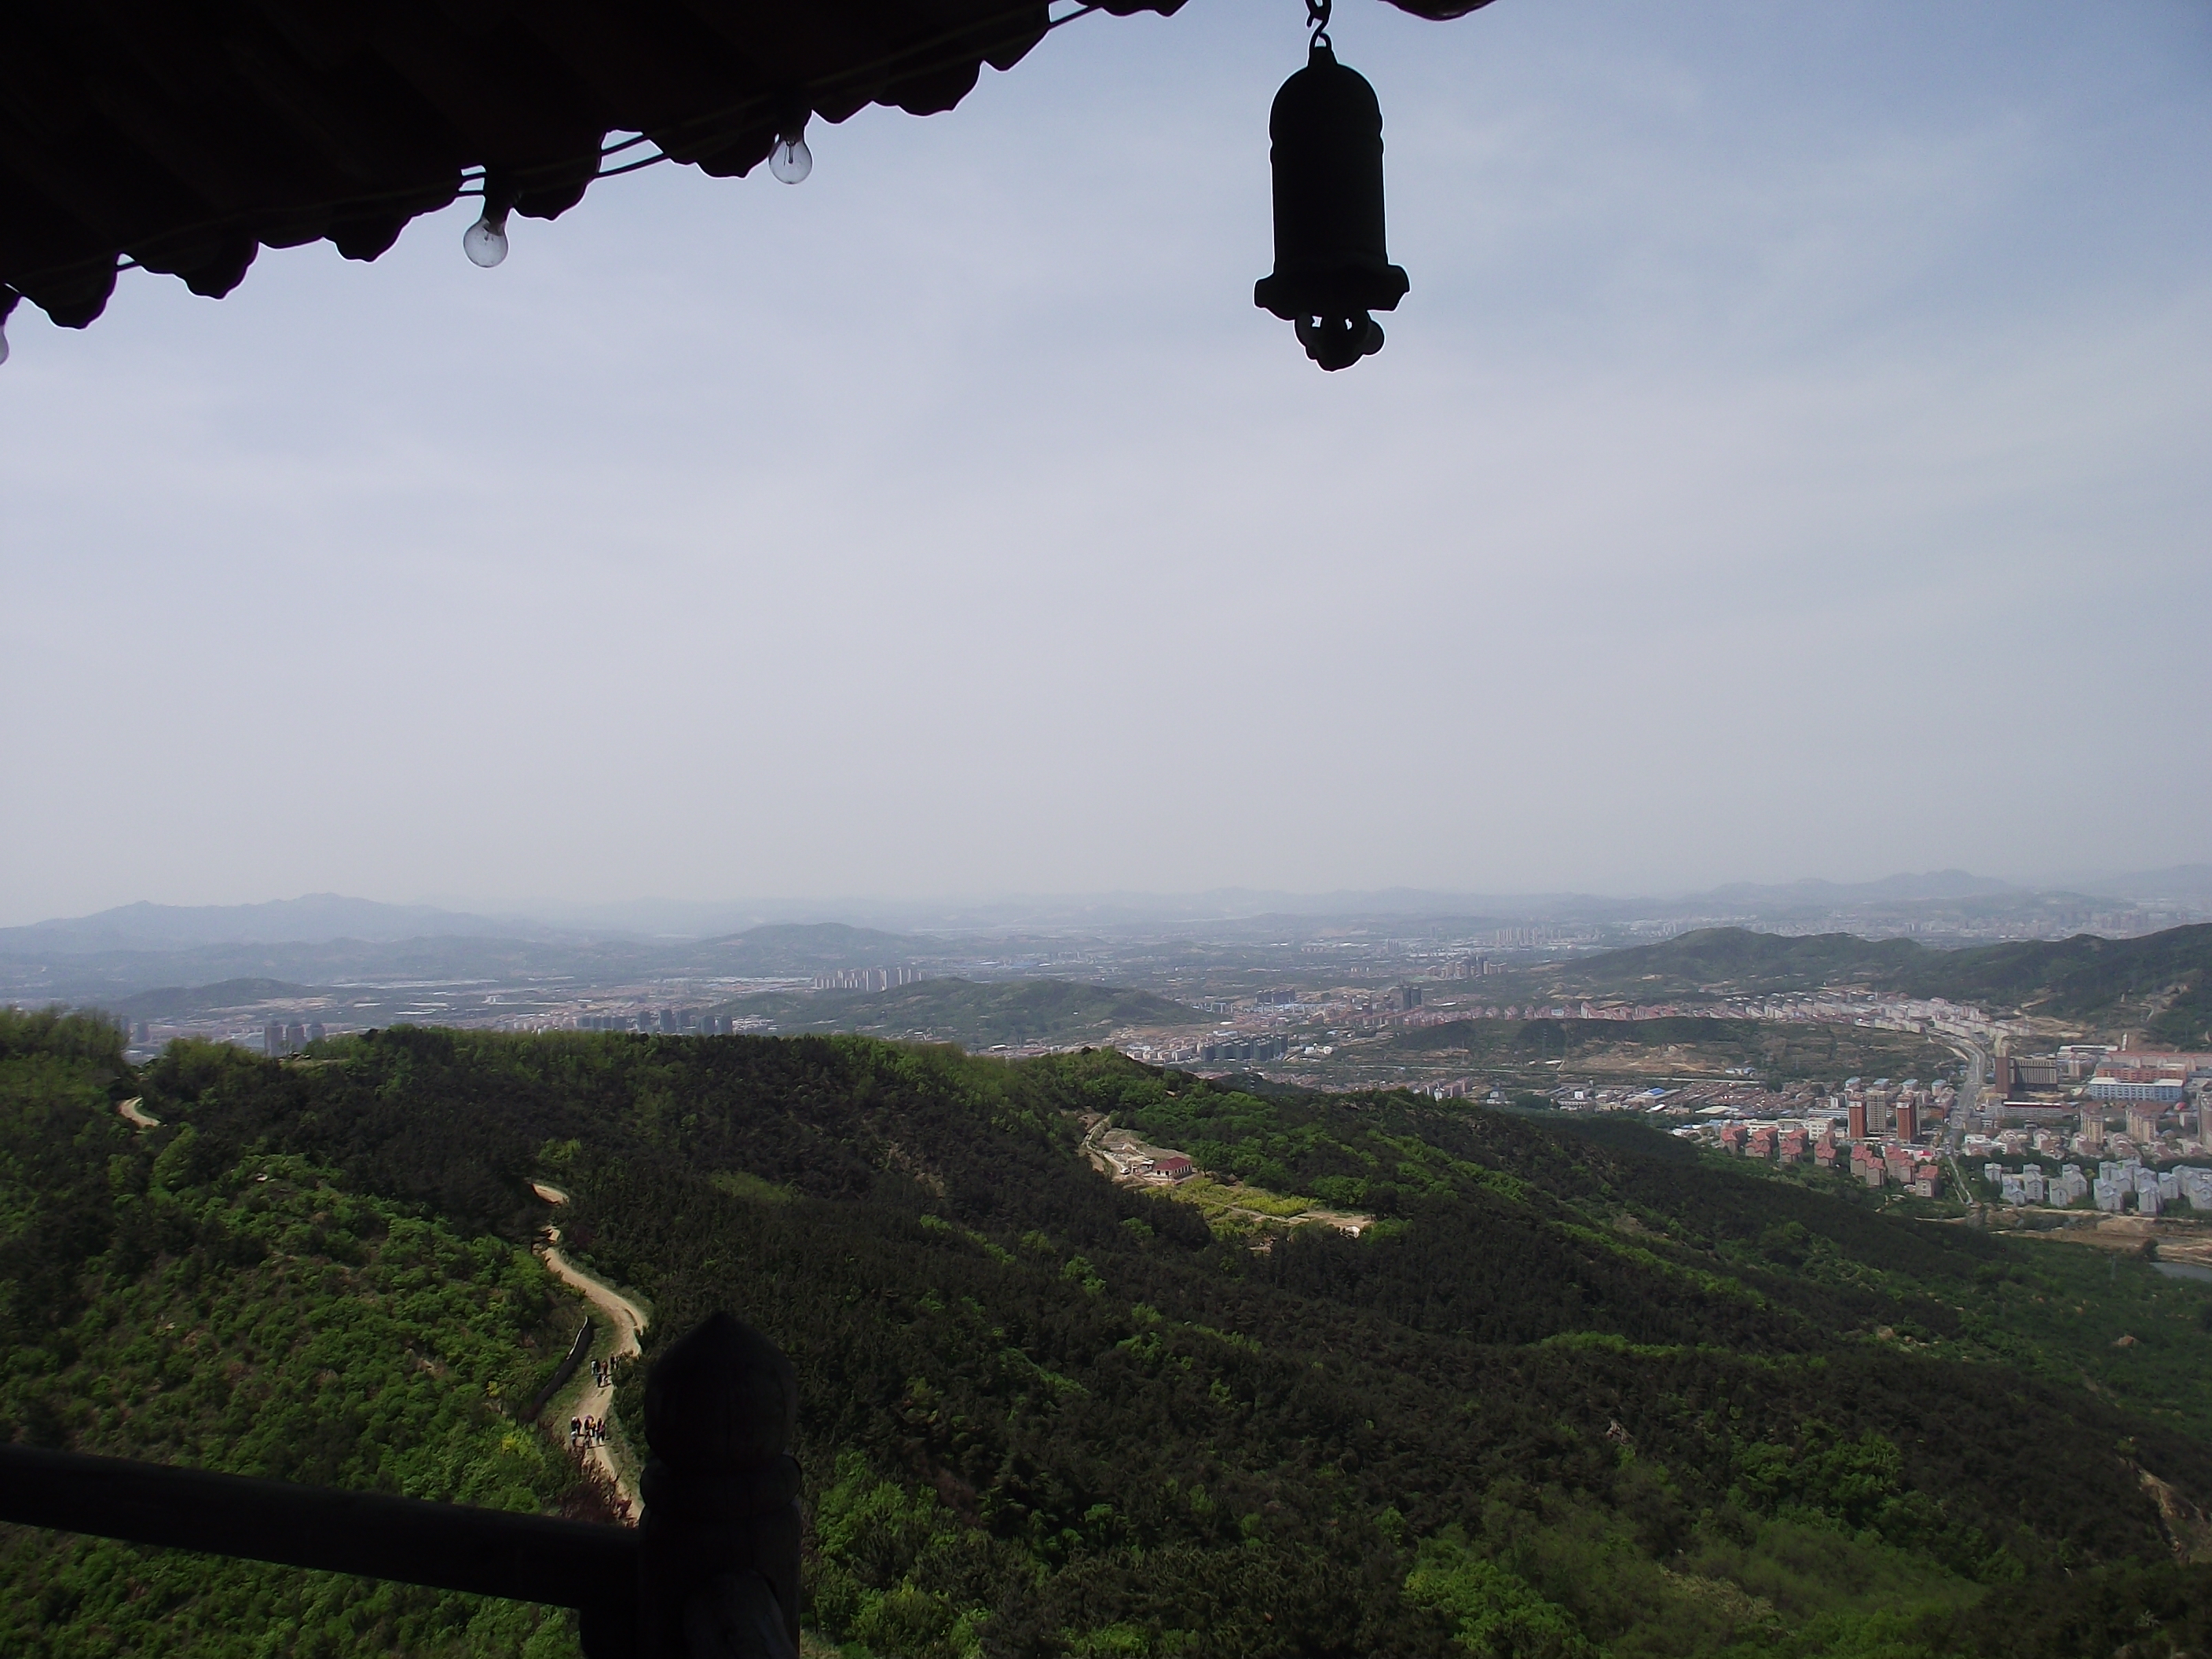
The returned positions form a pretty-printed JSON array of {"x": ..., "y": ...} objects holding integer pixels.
[{"x": 710, "y": 1572}]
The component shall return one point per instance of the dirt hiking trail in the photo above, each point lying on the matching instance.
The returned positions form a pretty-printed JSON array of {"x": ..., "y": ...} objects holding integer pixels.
[{"x": 628, "y": 1322}]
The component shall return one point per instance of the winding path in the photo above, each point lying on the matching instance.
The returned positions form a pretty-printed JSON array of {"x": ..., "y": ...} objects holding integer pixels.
[{"x": 629, "y": 1322}]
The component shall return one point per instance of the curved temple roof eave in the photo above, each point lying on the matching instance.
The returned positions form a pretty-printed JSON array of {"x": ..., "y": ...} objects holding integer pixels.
[{"x": 185, "y": 139}]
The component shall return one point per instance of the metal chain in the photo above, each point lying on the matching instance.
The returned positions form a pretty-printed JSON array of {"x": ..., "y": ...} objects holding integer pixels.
[{"x": 1317, "y": 21}]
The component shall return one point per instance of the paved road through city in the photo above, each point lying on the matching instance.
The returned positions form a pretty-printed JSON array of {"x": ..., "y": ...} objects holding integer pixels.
[
  {"x": 1970, "y": 1087},
  {"x": 1970, "y": 1099}
]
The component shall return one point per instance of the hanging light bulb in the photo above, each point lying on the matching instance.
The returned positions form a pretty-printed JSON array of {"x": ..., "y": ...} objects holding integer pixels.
[
  {"x": 485, "y": 241},
  {"x": 791, "y": 160}
]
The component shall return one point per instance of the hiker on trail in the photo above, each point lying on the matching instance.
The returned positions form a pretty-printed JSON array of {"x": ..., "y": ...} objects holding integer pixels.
[{"x": 575, "y": 1429}]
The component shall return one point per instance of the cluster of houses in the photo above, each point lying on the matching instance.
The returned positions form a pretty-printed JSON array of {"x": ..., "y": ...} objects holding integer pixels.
[
  {"x": 2120, "y": 1185},
  {"x": 1912, "y": 1168},
  {"x": 1824, "y": 1143},
  {"x": 2031, "y": 1185}
]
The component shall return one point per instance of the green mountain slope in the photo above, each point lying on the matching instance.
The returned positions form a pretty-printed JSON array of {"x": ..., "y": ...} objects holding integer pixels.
[
  {"x": 1010, "y": 1012},
  {"x": 2163, "y": 980},
  {"x": 1578, "y": 1391},
  {"x": 162, "y": 1298}
]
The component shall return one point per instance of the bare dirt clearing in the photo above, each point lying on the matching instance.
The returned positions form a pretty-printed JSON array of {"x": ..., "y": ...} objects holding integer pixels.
[{"x": 1130, "y": 1161}]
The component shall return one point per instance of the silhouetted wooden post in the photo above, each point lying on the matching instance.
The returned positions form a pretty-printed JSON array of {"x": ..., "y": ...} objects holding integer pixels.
[{"x": 718, "y": 1568}]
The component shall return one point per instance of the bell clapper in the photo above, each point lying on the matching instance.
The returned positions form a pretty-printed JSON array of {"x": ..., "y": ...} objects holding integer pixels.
[{"x": 1339, "y": 342}]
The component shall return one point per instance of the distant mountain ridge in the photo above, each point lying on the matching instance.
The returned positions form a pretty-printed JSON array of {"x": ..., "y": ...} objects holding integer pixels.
[
  {"x": 42, "y": 972},
  {"x": 325, "y": 918},
  {"x": 100, "y": 976},
  {"x": 312, "y": 919}
]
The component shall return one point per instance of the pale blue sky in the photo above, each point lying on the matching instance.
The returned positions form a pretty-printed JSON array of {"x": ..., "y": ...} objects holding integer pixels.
[{"x": 1795, "y": 457}]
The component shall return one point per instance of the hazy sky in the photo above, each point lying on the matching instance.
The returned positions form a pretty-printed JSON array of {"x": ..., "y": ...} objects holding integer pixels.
[{"x": 1795, "y": 457}]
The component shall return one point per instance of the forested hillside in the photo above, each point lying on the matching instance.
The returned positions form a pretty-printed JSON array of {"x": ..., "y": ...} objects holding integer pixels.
[
  {"x": 2163, "y": 980},
  {"x": 2162, "y": 983},
  {"x": 164, "y": 1296},
  {"x": 1575, "y": 1392}
]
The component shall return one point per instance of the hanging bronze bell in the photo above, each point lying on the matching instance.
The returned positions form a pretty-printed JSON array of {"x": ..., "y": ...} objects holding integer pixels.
[{"x": 1331, "y": 269}]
